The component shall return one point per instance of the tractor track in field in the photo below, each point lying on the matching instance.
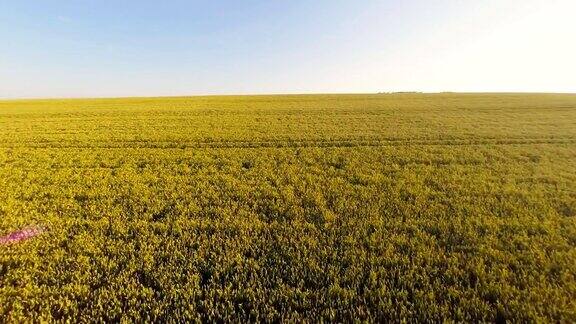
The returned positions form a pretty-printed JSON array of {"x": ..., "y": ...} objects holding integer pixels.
[{"x": 326, "y": 143}]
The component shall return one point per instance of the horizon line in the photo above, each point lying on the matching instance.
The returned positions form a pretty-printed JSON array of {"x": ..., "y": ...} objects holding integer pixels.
[{"x": 279, "y": 94}]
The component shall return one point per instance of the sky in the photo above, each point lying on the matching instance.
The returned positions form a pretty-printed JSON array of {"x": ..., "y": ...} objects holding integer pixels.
[{"x": 116, "y": 48}]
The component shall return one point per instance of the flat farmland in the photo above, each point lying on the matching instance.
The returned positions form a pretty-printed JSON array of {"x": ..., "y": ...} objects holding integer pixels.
[{"x": 417, "y": 207}]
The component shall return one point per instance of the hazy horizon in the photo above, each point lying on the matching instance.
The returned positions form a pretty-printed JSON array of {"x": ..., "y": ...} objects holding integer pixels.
[
  {"x": 103, "y": 49},
  {"x": 264, "y": 94}
]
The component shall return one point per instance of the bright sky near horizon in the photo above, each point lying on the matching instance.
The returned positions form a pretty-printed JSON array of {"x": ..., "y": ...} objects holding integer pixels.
[{"x": 105, "y": 48}]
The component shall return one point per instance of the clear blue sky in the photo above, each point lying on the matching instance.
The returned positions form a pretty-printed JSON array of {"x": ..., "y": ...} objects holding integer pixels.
[{"x": 79, "y": 48}]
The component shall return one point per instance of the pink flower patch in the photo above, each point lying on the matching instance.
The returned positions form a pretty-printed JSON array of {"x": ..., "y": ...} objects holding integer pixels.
[{"x": 21, "y": 235}]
